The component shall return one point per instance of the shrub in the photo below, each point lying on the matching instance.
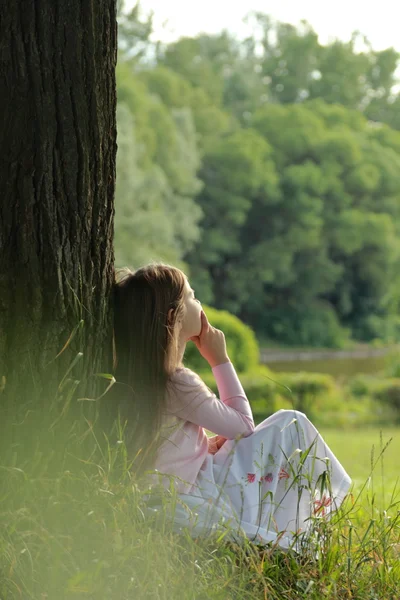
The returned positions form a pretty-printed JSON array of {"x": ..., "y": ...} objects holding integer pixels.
[
  {"x": 381, "y": 389},
  {"x": 358, "y": 386},
  {"x": 307, "y": 391},
  {"x": 268, "y": 392},
  {"x": 372, "y": 400},
  {"x": 388, "y": 391},
  {"x": 362, "y": 385},
  {"x": 260, "y": 387},
  {"x": 241, "y": 343},
  {"x": 364, "y": 400},
  {"x": 393, "y": 364}
]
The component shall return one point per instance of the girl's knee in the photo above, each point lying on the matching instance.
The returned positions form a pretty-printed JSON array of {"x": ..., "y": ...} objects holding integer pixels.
[
  {"x": 301, "y": 415},
  {"x": 291, "y": 414},
  {"x": 282, "y": 418}
]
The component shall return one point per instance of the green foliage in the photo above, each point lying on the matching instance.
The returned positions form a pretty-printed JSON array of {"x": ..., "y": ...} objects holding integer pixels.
[
  {"x": 174, "y": 91},
  {"x": 380, "y": 395},
  {"x": 309, "y": 392},
  {"x": 292, "y": 131},
  {"x": 236, "y": 169},
  {"x": 298, "y": 68},
  {"x": 261, "y": 388},
  {"x": 157, "y": 161},
  {"x": 289, "y": 69},
  {"x": 315, "y": 394},
  {"x": 257, "y": 166},
  {"x": 241, "y": 342},
  {"x": 388, "y": 391},
  {"x": 313, "y": 325},
  {"x": 315, "y": 250},
  {"x": 187, "y": 58},
  {"x": 337, "y": 116},
  {"x": 361, "y": 385},
  {"x": 133, "y": 31}
]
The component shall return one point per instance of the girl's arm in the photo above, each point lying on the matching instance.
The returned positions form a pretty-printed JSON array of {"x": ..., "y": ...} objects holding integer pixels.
[{"x": 192, "y": 401}]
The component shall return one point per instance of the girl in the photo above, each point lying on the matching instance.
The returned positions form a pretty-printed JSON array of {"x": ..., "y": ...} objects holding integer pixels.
[{"x": 265, "y": 481}]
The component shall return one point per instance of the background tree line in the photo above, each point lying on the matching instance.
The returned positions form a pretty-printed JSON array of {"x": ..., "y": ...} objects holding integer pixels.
[{"x": 270, "y": 169}]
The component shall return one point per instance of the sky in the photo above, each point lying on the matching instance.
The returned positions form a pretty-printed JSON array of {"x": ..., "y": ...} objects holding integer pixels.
[{"x": 379, "y": 21}]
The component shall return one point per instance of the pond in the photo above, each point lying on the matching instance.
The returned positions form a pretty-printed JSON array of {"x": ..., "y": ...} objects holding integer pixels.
[{"x": 332, "y": 362}]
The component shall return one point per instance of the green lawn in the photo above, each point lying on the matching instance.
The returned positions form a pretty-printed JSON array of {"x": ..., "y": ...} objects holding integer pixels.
[
  {"x": 359, "y": 449},
  {"x": 355, "y": 449}
]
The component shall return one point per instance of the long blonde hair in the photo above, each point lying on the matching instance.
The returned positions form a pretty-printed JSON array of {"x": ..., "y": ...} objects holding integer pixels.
[{"x": 146, "y": 350}]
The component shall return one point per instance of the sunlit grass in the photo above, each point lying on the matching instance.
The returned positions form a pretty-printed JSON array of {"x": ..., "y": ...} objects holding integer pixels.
[
  {"x": 81, "y": 530},
  {"x": 356, "y": 449}
]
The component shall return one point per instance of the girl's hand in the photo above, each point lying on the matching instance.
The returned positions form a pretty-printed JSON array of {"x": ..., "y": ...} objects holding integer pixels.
[
  {"x": 215, "y": 443},
  {"x": 220, "y": 441},
  {"x": 211, "y": 343}
]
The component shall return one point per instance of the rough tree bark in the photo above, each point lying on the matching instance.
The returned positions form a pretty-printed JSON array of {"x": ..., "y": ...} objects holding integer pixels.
[{"x": 57, "y": 176}]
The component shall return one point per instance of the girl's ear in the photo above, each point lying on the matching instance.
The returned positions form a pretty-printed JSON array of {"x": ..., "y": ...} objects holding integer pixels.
[{"x": 171, "y": 310}]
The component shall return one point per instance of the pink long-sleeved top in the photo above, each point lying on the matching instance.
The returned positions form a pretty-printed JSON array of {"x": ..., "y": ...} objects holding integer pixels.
[{"x": 191, "y": 407}]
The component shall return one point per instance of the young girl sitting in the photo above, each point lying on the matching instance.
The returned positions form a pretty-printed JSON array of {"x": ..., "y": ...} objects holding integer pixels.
[{"x": 265, "y": 481}]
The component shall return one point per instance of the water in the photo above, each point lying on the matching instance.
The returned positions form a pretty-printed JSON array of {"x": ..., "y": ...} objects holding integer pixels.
[{"x": 342, "y": 368}]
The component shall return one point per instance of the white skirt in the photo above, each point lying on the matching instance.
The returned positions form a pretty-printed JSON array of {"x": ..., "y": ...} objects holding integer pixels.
[{"x": 266, "y": 486}]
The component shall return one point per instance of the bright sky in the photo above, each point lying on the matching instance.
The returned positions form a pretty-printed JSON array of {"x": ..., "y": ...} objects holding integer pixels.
[{"x": 379, "y": 21}]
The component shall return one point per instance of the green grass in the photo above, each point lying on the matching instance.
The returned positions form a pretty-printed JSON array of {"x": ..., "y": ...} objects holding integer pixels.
[
  {"x": 357, "y": 449},
  {"x": 73, "y": 525}
]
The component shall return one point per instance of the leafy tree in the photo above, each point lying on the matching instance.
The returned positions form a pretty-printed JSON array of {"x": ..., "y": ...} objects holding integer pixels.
[
  {"x": 232, "y": 172},
  {"x": 221, "y": 69},
  {"x": 289, "y": 59},
  {"x": 317, "y": 239},
  {"x": 200, "y": 61},
  {"x": 156, "y": 217},
  {"x": 298, "y": 190},
  {"x": 133, "y": 32},
  {"x": 298, "y": 68},
  {"x": 176, "y": 92}
]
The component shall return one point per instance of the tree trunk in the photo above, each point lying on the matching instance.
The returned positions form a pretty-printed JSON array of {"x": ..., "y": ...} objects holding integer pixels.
[{"x": 57, "y": 177}]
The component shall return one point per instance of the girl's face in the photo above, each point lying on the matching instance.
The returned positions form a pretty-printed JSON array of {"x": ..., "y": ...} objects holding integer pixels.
[{"x": 191, "y": 323}]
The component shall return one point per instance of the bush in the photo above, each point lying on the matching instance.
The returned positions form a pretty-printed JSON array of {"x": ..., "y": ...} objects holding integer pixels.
[
  {"x": 241, "y": 343},
  {"x": 364, "y": 400},
  {"x": 393, "y": 363},
  {"x": 383, "y": 390},
  {"x": 388, "y": 391},
  {"x": 260, "y": 387},
  {"x": 382, "y": 396},
  {"x": 268, "y": 392},
  {"x": 307, "y": 391},
  {"x": 362, "y": 385}
]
